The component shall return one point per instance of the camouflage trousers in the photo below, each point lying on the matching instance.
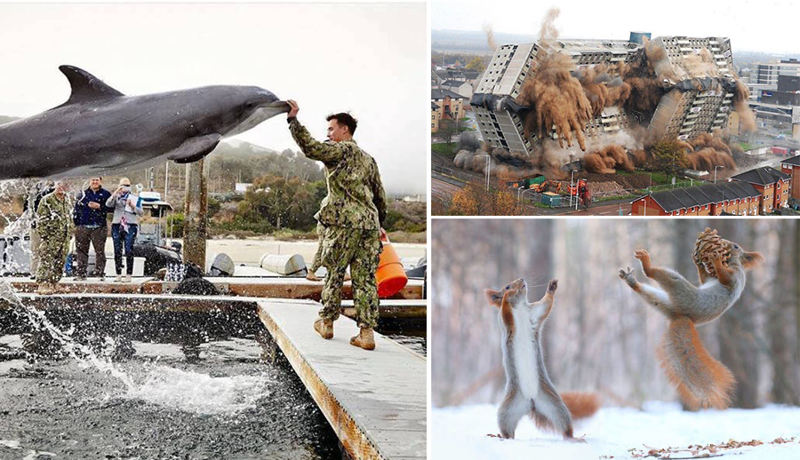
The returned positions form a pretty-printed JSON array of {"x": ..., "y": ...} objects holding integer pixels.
[
  {"x": 52, "y": 255},
  {"x": 318, "y": 256},
  {"x": 360, "y": 249}
]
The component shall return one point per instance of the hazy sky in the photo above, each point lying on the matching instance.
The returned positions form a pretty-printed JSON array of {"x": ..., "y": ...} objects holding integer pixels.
[
  {"x": 368, "y": 59},
  {"x": 758, "y": 25}
]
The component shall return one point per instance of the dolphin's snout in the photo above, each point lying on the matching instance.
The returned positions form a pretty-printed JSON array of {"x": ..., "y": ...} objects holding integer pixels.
[{"x": 282, "y": 105}]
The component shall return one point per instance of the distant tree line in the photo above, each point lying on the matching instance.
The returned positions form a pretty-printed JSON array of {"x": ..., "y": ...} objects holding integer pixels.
[{"x": 470, "y": 61}]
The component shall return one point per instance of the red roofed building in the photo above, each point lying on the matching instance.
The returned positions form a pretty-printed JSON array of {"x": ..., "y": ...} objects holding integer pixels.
[
  {"x": 736, "y": 198},
  {"x": 791, "y": 167},
  {"x": 771, "y": 183}
]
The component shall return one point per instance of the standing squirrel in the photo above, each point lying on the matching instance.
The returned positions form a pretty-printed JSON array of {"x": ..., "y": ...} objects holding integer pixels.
[
  {"x": 701, "y": 380},
  {"x": 528, "y": 387}
]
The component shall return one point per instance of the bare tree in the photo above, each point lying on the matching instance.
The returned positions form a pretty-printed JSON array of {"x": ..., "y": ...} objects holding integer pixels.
[
  {"x": 738, "y": 347},
  {"x": 778, "y": 320}
]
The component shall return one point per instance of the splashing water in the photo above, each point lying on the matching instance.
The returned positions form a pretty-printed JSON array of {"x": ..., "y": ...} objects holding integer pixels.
[
  {"x": 36, "y": 318},
  {"x": 161, "y": 385},
  {"x": 80, "y": 353},
  {"x": 199, "y": 393}
]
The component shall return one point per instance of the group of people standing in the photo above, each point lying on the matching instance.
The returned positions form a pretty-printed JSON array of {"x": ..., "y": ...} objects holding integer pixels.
[{"x": 56, "y": 219}]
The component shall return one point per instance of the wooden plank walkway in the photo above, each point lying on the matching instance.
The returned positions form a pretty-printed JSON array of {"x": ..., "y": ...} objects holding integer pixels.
[
  {"x": 277, "y": 287},
  {"x": 393, "y": 308},
  {"x": 374, "y": 400}
]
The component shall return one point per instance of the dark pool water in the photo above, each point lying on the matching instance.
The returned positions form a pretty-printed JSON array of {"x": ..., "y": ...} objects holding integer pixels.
[
  {"x": 190, "y": 386},
  {"x": 228, "y": 404}
]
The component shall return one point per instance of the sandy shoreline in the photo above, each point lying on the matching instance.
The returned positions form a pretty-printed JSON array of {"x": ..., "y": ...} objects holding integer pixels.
[{"x": 250, "y": 251}]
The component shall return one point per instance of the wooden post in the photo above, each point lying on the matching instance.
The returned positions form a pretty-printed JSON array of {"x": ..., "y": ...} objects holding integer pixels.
[{"x": 195, "y": 215}]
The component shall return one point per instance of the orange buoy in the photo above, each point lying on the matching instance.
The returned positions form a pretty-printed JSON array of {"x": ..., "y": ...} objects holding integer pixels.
[{"x": 390, "y": 275}]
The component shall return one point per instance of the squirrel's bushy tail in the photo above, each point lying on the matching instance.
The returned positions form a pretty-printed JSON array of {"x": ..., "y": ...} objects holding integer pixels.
[
  {"x": 581, "y": 405},
  {"x": 701, "y": 380}
]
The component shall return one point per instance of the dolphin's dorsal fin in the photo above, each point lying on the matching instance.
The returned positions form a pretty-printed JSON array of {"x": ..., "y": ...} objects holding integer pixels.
[{"x": 85, "y": 86}]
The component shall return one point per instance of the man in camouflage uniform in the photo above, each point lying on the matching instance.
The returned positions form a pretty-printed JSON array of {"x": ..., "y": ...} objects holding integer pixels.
[
  {"x": 40, "y": 190},
  {"x": 312, "y": 271},
  {"x": 352, "y": 215},
  {"x": 54, "y": 228}
]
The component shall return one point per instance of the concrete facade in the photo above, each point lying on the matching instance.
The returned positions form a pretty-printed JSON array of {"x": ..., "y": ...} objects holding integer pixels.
[
  {"x": 767, "y": 73},
  {"x": 684, "y": 112}
]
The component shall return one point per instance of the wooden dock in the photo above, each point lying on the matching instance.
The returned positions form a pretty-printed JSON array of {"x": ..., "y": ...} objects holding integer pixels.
[
  {"x": 276, "y": 287},
  {"x": 190, "y": 303},
  {"x": 374, "y": 400}
]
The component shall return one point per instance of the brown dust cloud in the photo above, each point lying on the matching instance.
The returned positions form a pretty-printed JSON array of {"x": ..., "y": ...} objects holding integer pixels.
[{"x": 563, "y": 99}]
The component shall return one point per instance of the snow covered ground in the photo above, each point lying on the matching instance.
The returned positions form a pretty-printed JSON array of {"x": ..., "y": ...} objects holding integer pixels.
[{"x": 461, "y": 433}]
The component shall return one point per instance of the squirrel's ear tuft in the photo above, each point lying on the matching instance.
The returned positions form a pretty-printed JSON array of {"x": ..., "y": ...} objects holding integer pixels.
[
  {"x": 752, "y": 259},
  {"x": 494, "y": 297}
]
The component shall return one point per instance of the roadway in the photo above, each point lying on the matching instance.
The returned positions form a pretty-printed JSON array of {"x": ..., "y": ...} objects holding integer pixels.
[{"x": 602, "y": 210}]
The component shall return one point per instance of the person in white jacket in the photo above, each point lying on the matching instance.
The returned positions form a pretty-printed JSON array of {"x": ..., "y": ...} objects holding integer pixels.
[{"x": 125, "y": 226}]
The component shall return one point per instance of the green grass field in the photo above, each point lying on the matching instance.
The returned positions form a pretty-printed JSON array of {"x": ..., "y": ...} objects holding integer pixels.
[{"x": 448, "y": 150}]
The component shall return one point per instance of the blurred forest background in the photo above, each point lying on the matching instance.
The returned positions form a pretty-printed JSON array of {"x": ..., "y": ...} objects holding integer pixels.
[
  {"x": 600, "y": 336},
  {"x": 287, "y": 189}
]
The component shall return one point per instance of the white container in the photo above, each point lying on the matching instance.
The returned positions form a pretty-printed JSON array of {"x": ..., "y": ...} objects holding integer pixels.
[
  {"x": 284, "y": 264},
  {"x": 220, "y": 265}
]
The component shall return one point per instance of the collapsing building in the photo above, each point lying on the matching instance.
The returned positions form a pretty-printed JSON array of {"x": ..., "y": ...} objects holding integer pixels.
[{"x": 674, "y": 87}]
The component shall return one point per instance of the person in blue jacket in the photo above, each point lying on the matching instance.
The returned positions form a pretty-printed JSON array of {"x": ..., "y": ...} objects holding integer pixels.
[{"x": 91, "y": 226}]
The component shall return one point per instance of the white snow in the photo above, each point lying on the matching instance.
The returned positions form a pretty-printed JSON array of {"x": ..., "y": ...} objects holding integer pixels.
[{"x": 461, "y": 432}]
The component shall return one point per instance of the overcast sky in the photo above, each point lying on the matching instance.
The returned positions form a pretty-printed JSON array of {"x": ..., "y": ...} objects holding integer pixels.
[
  {"x": 368, "y": 59},
  {"x": 759, "y": 25}
]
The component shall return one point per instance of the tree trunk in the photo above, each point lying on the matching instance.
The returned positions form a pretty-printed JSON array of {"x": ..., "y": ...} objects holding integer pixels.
[
  {"x": 778, "y": 321},
  {"x": 796, "y": 300},
  {"x": 196, "y": 213},
  {"x": 736, "y": 333}
]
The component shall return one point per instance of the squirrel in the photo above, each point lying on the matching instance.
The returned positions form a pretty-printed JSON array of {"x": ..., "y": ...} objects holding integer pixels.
[
  {"x": 528, "y": 387},
  {"x": 701, "y": 380}
]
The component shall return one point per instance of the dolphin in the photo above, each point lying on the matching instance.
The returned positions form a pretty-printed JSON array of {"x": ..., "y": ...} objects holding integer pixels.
[{"x": 100, "y": 130}]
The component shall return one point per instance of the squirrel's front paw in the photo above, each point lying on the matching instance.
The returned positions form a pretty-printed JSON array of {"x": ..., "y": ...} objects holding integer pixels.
[
  {"x": 552, "y": 286},
  {"x": 627, "y": 275},
  {"x": 642, "y": 254}
]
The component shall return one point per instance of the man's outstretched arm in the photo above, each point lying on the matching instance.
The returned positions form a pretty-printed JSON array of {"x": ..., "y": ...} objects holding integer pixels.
[{"x": 312, "y": 148}]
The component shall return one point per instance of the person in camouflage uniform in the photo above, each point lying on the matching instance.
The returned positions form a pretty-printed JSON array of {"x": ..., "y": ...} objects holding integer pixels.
[
  {"x": 352, "y": 215},
  {"x": 312, "y": 271},
  {"x": 54, "y": 228}
]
